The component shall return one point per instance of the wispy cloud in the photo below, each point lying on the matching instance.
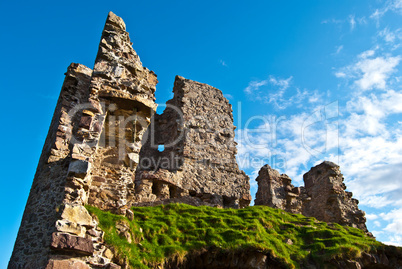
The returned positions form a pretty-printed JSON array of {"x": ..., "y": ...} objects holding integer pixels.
[
  {"x": 370, "y": 72},
  {"x": 338, "y": 49},
  {"x": 394, "y": 226},
  {"x": 228, "y": 96},
  {"x": 392, "y": 38},
  {"x": 279, "y": 92},
  {"x": 390, "y": 5},
  {"x": 352, "y": 22},
  {"x": 335, "y": 21}
]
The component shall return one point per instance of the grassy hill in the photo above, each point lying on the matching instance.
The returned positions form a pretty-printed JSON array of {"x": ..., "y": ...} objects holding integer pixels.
[{"x": 176, "y": 231}]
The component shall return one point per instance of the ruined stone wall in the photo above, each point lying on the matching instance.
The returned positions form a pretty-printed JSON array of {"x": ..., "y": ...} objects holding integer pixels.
[
  {"x": 48, "y": 189},
  {"x": 95, "y": 137},
  {"x": 323, "y": 196},
  {"x": 93, "y": 148},
  {"x": 198, "y": 164},
  {"x": 329, "y": 200},
  {"x": 275, "y": 190},
  {"x": 127, "y": 91}
]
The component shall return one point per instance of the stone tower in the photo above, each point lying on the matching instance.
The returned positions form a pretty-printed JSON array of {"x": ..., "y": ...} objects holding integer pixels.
[{"x": 94, "y": 146}]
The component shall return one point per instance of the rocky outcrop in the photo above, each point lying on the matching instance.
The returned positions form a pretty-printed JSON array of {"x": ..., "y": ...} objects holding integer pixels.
[{"x": 323, "y": 195}]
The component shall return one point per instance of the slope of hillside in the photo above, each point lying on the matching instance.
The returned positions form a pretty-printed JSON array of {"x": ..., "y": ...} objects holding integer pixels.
[{"x": 184, "y": 236}]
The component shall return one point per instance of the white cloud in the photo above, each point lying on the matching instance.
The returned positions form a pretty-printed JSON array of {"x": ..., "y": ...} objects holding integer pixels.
[
  {"x": 340, "y": 75},
  {"x": 279, "y": 93},
  {"x": 352, "y": 22},
  {"x": 392, "y": 38},
  {"x": 377, "y": 14},
  {"x": 223, "y": 63},
  {"x": 390, "y": 5},
  {"x": 370, "y": 73},
  {"x": 387, "y": 35},
  {"x": 289, "y": 143},
  {"x": 335, "y": 21},
  {"x": 283, "y": 84},
  {"x": 395, "y": 219},
  {"x": 371, "y": 216},
  {"x": 254, "y": 86},
  {"x": 366, "y": 54},
  {"x": 338, "y": 49},
  {"x": 375, "y": 72},
  {"x": 228, "y": 96},
  {"x": 394, "y": 240}
]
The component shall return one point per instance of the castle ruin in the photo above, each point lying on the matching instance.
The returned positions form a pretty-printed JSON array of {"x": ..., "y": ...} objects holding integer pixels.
[
  {"x": 99, "y": 135},
  {"x": 107, "y": 147}
]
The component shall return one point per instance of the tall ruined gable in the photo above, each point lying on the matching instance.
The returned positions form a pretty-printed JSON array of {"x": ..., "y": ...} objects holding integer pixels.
[
  {"x": 198, "y": 163},
  {"x": 89, "y": 157},
  {"x": 126, "y": 90}
]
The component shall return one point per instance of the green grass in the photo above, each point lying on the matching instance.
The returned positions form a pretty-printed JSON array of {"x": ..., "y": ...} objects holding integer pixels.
[{"x": 174, "y": 230}]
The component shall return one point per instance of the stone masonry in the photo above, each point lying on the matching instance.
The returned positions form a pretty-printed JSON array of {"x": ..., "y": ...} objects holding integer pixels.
[
  {"x": 323, "y": 196},
  {"x": 94, "y": 146},
  {"x": 198, "y": 164}
]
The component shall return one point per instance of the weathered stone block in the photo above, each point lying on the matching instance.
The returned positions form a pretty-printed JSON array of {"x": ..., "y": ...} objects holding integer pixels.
[
  {"x": 79, "y": 168},
  {"x": 85, "y": 122},
  {"x": 66, "y": 264},
  {"x": 68, "y": 242},
  {"x": 134, "y": 157},
  {"x": 113, "y": 266},
  {"x": 70, "y": 227},
  {"x": 77, "y": 214}
]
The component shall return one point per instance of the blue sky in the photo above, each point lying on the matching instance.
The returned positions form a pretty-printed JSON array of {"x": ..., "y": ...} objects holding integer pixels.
[{"x": 308, "y": 81}]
